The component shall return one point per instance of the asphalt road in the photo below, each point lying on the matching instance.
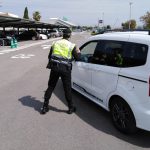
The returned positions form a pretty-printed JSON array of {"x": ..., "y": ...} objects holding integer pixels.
[{"x": 23, "y": 80}]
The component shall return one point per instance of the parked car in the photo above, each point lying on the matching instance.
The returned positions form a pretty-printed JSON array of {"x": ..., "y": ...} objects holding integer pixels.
[
  {"x": 43, "y": 37},
  {"x": 122, "y": 88},
  {"x": 5, "y": 37},
  {"x": 28, "y": 35},
  {"x": 53, "y": 33},
  {"x": 42, "y": 34},
  {"x": 5, "y": 41},
  {"x": 98, "y": 31},
  {"x": 60, "y": 33}
]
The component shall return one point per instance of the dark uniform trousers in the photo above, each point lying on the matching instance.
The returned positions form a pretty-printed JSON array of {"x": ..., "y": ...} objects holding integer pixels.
[{"x": 66, "y": 79}]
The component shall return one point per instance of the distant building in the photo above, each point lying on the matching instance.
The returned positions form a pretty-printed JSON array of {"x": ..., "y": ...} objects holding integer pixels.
[
  {"x": 56, "y": 21},
  {"x": 7, "y": 14}
]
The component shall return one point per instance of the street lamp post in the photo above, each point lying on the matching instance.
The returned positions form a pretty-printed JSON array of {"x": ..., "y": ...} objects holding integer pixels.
[
  {"x": 130, "y": 16},
  {"x": 103, "y": 19}
]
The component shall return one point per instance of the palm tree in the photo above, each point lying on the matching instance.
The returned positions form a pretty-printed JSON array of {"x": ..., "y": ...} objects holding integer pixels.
[{"x": 36, "y": 16}]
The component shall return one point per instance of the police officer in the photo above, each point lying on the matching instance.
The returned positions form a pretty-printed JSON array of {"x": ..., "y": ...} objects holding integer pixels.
[{"x": 60, "y": 57}]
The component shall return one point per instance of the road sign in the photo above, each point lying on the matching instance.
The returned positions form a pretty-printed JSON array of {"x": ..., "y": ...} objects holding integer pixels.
[{"x": 100, "y": 21}]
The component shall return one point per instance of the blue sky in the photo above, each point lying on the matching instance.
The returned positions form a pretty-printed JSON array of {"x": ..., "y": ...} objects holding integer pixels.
[{"x": 81, "y": 12}]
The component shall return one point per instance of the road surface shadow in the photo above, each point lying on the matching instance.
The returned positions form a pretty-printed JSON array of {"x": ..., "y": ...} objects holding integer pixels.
[
  {"x": 100, "y": 119},
  {"x": 32, "y": 102}
]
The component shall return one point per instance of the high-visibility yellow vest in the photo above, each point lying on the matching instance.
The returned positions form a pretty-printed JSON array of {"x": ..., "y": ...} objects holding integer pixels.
[
  {"x": 63, "y": 48},
  {"x": 119, "y": 59}
]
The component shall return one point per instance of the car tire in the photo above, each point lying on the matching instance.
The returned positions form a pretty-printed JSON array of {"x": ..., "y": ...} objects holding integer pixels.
[
  {"x": 122, "y": 116},
  {"x": 33, "y": 38}
]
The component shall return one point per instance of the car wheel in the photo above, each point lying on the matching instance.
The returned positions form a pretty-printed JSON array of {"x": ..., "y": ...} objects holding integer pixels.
[
  {"x": 33, "y": 38},
  {"x": 122, "y": 116}
]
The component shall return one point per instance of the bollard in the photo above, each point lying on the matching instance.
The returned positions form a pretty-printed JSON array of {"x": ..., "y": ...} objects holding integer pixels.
[
  {"x": 15, "y": 43},
  {"x": 12, "y": 43}
]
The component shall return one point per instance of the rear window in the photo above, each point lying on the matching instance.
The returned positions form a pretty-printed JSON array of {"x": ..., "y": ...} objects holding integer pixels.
[{"x": 135, "y": 54}]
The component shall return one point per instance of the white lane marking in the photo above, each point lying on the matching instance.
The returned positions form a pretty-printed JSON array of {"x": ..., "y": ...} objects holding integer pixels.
[
  {"x": 45, "y": 46},
  {"x": 7, "y": 51},
  {"x": 23, "y": 56}
]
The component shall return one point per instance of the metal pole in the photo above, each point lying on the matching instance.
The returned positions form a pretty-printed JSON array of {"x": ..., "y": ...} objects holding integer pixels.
[
  {"x": 130, "y": 16},
  {"x": 103, "y": 20}
]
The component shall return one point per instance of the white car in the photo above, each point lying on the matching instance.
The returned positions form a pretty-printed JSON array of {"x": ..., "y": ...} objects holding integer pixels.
[
  {"x": 53, "y": 33},
  {"x": 119, "y": 86},
  {"x": 43, "y": 37}
]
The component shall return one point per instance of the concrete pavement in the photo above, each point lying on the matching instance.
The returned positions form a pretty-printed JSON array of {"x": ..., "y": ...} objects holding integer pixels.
[{"x": 23, "y": 82}]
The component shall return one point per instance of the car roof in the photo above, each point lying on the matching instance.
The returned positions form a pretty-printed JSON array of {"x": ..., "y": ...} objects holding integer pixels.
[{"x": 123, "y": 36}]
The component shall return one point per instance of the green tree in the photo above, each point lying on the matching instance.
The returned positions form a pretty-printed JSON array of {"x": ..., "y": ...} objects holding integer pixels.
[
  {"x": 26, "y": 16},
  {"x": 146, "y": 20},
  {"x": 36, "y": 16},
  {"x": 132, "y": 22}
]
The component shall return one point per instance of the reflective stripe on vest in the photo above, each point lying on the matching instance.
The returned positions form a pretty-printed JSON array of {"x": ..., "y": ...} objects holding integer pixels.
[{"x": 63, "y": 48}]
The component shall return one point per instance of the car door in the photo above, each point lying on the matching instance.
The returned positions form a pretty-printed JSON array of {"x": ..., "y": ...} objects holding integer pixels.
[
  {"x": 105, "y": 70},
  {"x": 81, "y": 73}
]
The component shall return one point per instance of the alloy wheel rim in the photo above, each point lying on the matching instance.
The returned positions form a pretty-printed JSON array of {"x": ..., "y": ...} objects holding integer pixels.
[{"x": 120, "y": 115}]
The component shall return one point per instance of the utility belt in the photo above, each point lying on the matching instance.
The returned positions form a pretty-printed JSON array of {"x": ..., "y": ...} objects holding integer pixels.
[
  {"x": 59, "y": 65},
  {"x": 59, "y": 58}
]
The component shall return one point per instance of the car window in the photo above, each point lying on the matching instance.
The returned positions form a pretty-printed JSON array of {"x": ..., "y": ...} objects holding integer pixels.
[
  {"x": 108, "y": 53},
  {"x": 87, "y": 51},
  {"x": 135, "y": 55},
  {"x": 120, "y": 54}
]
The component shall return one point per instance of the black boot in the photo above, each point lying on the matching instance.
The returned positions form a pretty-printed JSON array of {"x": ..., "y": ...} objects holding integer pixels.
[
  {"x": 71, "y": 110},
  {"x": 44, "y": 109}
]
